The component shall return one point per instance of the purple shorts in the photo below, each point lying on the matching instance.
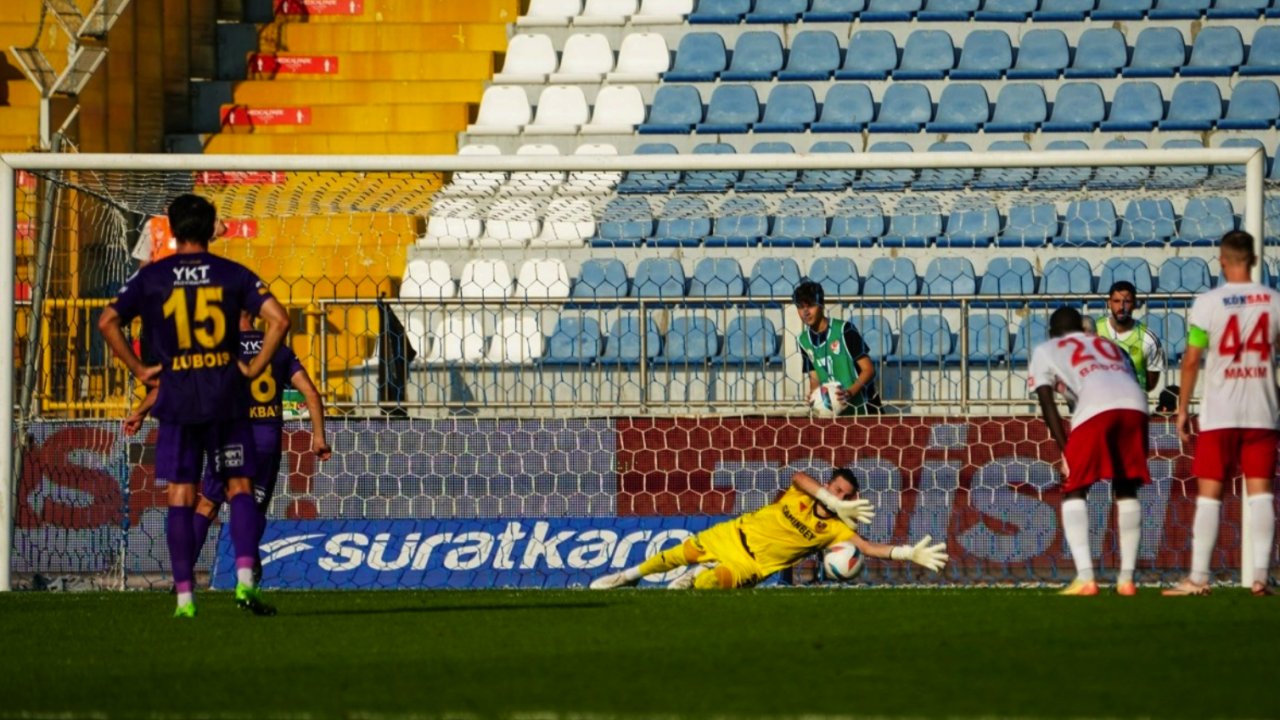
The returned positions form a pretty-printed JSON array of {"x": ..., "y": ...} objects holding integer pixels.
[
  {"x": 223, "y": 448},
  {"x": 266, "y": 445}
]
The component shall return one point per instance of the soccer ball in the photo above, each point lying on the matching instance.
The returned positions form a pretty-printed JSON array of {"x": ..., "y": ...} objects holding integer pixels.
[
  {"x": 825, "y": 401},
  {"x": 842, "y": 562}
]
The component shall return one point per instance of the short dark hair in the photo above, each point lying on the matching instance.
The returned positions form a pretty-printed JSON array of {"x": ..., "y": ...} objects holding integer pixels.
[
  {"x": 847, "y": 474},
  {"x": 808, "y": 292},
  {"x": 192, "y": 218},
  {"x": 1122, "y": 286},
  {"x": 1240, "y": 244},
  {"x": 1064, "y": 320}
]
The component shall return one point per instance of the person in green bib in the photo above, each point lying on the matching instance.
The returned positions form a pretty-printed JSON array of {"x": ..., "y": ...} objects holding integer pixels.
[
  {"x": 833, "y": 350},
  {"x": 1135, "y": 338}
]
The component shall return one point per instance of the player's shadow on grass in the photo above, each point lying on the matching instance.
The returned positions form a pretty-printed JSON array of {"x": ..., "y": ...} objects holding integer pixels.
[{"x": 454, "y": 608}]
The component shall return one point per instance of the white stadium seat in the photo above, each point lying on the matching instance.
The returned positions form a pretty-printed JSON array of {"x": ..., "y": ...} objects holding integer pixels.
[
  {"x": 511, "y": 223},
  {"x": 535, "y": 183},
  {"x": 587, "y": 57},
  {"x": 606, "y": 12},
  {"x": 550, "y": 13},
  {"x": 457, "y": 339},
  {"x": 518, "y": 341},
  {"x": 562, "y": 109},
  {"x": 485, "y": 279},
  {"x": 542, "y": 278},
  {"x": 427, "y": 279},
  {"x": 569, "y": 222},
  {"x": 530, "y": 58},
  {"x": 619, "y": 109},
  {"x": 504, "y": 109},
  {"x": 454, "y": 222},
  {"x": 475, "y": 184},
  {"x": 641, "y": 58},
  {"x": 662, "y": 12},
  {"x": 589, "y": 182}
]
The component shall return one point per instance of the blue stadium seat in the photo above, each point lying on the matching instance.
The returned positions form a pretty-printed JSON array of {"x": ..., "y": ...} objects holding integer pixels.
[
  {"x": 1087, "y": 223},
  {"x": 1136, "y": 107},
  {"x": 1181, "y": 275},
  {"x": 1061, "y": 178},
  {"x": 777, "y": 11},
  {"x": 1042, "y": 55},
  {"x": 1229, "y": 175},
  {"x": 717, "y": 277},
  {"x": 798, "y": 222},
  {"x": 1117, "y": 177},
  {"x": 1179, "y": 9},
  {"x": 1020, "y": 108},
  {"x": 1033, "y": 330},
  {"x": 972, "y": 224},
  {"x": 659, "y": 278},
  {"x": 811, "y": 180},
  {"x": 1147, "y": 222},
  {"x": 1006, "y": 277},
  {"x": 791, "y": 108},
  {"x": 814, "y": 55},
  {"x": 986, "y": 55},
  {"x": 690, "y": 340},
  {"x": 925, "y": 338},
  {"x": 1121, "y": 10},
  {"x": 847, "y": 108},
  {"x": 916, "y": 222},
  {"x": 675, "y": 110},
  {"x": 651, "y": 181},
  {"x": 905, "y": 108},
  {"x": 574, "y": 341},
  {"x": 757, "y": 55},
  {"x": 1179, "y": 176},
  {"x": 699, "y": 181},
  {"x": 719, "y": 11},
  {"x": 890, "y": 10},
  {"x": 625, "y": 222},
  {"x": 1254, "y": 105},
  {"x": 1171, "y": 329},
  {"x": 988, "y": 338},
  {"x": 1204, "y": 221},
  {"x": 949, "y": 277},
  {"x": 833, "y": 10},
  {"x": 1134, "y": 270},
  {"x": 948, "y": 10},
  {"x": 962, "y": 108},
  {"x": 837, "y": 275},
  {"x": 622, "y": 346},
  {"x": 1004, "y": 178},
  {"x": 1241, "y": 9},
  {"x": 1063, "y": 10},
  {"x": 1264, "y": 52},
  {"x": 1217, "y": 51},
  {"x": 927, "y": 55},
  {"x": 1100, "y": 53},
  {"x": 601, "y": 279},
  {"x": 1195, "y": 105},
  {"x": 684, "y": 222},
  {"x": 879, "y": 179},
  {"x": 1066, "y": 276},
  {"x": 1078, "y": 107},
  {"x": 856, "y": 221},
  {"x": 872, "y": 55},
  {"x": 773, "y": 278},
  {"x": 877, "y": 335},
  {"x": 890, "y": 277},
  {"x": 1158, "y": 52},
  {"x": 946, "y": 178},
  {"x": 751, "y": 340},
  {"x": 740, "y": 222},
  {"x": 1006, "y": 11},
  {"x": 699, "y": 58},
  {"x": 732, "y": 109},
  {"x": 769, "y": 180},
  {"x": 1029, "y": 226}
]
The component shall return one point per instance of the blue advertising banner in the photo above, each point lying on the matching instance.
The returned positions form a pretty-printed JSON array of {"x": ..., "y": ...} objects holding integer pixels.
[{"x": 505, "y": 552}]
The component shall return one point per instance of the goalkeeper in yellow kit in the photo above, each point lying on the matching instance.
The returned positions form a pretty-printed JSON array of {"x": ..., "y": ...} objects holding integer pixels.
[{"x": 747, "y": 549}]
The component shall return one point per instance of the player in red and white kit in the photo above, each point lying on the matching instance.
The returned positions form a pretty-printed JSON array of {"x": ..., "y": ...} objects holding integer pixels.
[
  {"x": 1234, "y": 328},
  {"x": 1108, "y": 439}
]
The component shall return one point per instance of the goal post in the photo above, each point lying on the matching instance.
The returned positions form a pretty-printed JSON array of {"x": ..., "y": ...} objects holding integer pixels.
[{"x": 411, "y": 190}]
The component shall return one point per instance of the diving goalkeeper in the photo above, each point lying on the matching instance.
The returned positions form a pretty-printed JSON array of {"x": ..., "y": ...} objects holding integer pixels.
[{"x": 747, "y": 549}]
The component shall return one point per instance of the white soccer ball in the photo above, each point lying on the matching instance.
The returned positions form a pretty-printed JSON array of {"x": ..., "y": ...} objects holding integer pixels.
[
  {"x": 842, "y": 562},
  {"x": 825, "y": 401}
]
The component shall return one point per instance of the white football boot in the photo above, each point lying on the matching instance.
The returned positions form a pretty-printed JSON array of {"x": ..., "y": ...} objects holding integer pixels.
[
  {"x": 612, "y": 580},
  {"x": 685, "y": 580}
]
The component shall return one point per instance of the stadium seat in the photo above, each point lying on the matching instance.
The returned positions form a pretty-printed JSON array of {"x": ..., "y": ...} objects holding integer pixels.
[
  {"x": 798, "y": 222},
  {"x": 569, "y": 222},
  {"x": 675, "y": 110},
  {"x": 856, "y": 221},
  {"x": 988, "y": 338},
  {"x": 1195, "y": 105},
  {"x": 927, "y": 55},
  {"x": 517, "y": 341},
  {"x": 650, "y": 181},
  {"x": 623, "y": 344},
  {"x": 1063, "y": 10},
  {"x": 475, "y": 184},
  {"x": 750, "y": 340},
  {"x": 504, "y": 110},
  {"x": 456, "y": 339},
  {"x": 1237, "y": 9},
  {"x": 642, "y": 58},
  {"x": 624, "y": 222},
  {"x": 1171, "y": 329},
  {"x": 534, "y": 183},
  {"x": 1078, "y": 107},
  {"x": 618, "y": 110},
  {"x": 1006, "y": 277},
  {"x": 453, "y": 223},
  {"x": 847, "y": 108},
  {"x": 1254, "y": 105},
  {"x": 948, "y": 10},
  {"x": 770, "y": 180},
  {"x": 1004, "y": 178},
  {"x": 777, "y": 11},
  {"x": 1136, "y": 107},
  {"x": 659, "y": 278},
  {"x": 1231, "y": 175},
  {"x": 1087, "y": 223},
  {"x": 530, "y": 59},
  {"x": 838, "y": 276},
  {"x": 740, "y": 222},
  {"x": 1204, "y": 221},
  {"x": 1118, "y": 177},
  {"x": 587, "y": 58},
  {"x": 1029, "y": 226},
  {"x": 811, "y": 180},
  {"x": 662, "y": 12},
  {"x": 1217, "y": 52},
  {"x": 814, "y": 55},
  {"x": 1006, "y": 10},
  {"x": 683, "y": 222},
  {"x": 485, "y": 279},
  {"x": 871, "y": 55},
  {"x": 1134, "y": 270},
  {"x": 601, "y": 279},
  {"x": 1032, "y": 331},
  {"x": 732, "y": 109},
  {"x": 1120, "y": 10},
  {"x": 757, "y": 56},
  {"x": 925, "y": 338},
  {"x": 574, "y": 341},
  {"x": 605, "y": 12},
  {"x": 700, "y": 181},
  {"x": 773, "y": 278},
  {"x": 915, "y": 223},
  {"x": 949, "y": 277},
  {"x": 962, "y": 108},
  {"x": 562, "y": 109},
  {"x": 1147, "y": 222},
  {"x": 1100, "y": 53},
  {"x": 427, "y": 279},
  {"x": 717, "y": 277},
  {"x": 1179, "y": 9},
  {"x": 1158, "y": 52},
  {"x": 511, "y": 222},
  {"x": 833, "y": 10},
  {"x": 1042, "y": 55},
  {"x": 1020, "y": 108},
  {"x": 550, "y": 13},
  {"x": 946, "y": 178},
  {"x": 1066, "y": 276},
  {"x": 1181, "y": 275},
  {"x": 700, "y": 57},
  {"x": 1264, "y": 52},
  {"x": 719, "y": 12},
  {"x": 905, "y": 108},
  {"x": 883, "y": 179},
  {"x": 972, "y": 223},
  {"x": 791, "y": 108},
  {"x": 890, "y": 10},
  {"x": 891, "y": 277},
  {"x": 1167, "y": 176},
  {"x": 877, "y": 335},
  {"x": 589, "y": 182},
  {"x": 690, "y": 340},
  {"x": 1061, "y": 178},
  {"x": 542, "y": 278},
  {"x": 986, "y": 55}
]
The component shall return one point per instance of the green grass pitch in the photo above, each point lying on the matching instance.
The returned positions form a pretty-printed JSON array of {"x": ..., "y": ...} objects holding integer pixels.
[{"x": 580, "y": 654}]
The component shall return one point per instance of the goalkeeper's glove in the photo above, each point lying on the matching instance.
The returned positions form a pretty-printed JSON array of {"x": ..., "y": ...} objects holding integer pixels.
[
  {"x": 851, "y": 512},
  {"x": 922, "y": 553}
]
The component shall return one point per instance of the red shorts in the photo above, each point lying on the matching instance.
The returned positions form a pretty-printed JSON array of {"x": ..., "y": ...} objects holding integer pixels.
[
  {"x": 1108, "y": 446},
  {"x": 1221, "y": 454}
]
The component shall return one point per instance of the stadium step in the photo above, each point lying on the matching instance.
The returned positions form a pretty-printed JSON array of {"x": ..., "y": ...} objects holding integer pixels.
[
  {"x": 291, "y": 37},
  {"x": 441, "y": 65},
  {"x": 432, "y": 143},
  {"x": 242, "y": 119}
]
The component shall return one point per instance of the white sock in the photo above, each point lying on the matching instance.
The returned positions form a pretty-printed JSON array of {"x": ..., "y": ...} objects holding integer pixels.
[
  {"x": 1262, "y": 528},
  {"x": 186, "y": 597},
  {"x": 1204, "y": 535},
  {"x": 244, "y": 576},
  {"x": 1075, "y": 525},
  {"x": 1129, "y": 522},
  {"x": 631, "y": 574}
]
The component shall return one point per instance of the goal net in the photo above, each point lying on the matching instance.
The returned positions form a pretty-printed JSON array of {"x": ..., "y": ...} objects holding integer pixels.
[{"x": 542, "y": 368}]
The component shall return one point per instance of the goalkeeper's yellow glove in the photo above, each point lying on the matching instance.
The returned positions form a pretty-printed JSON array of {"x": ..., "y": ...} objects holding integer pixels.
[
  {"x": 851, "y": 512},
  {"x": 922, "y": 553}
]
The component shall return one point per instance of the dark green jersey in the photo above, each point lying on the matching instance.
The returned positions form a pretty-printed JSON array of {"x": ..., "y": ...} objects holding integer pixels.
[{"x": 833, "y": 355}]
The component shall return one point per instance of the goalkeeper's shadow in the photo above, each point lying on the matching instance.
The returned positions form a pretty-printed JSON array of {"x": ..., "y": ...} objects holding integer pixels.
[{"x": 452, "y": 608}]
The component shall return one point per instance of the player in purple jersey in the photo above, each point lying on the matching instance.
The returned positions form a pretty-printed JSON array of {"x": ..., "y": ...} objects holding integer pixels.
[{"x": 202, "y": 398}]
